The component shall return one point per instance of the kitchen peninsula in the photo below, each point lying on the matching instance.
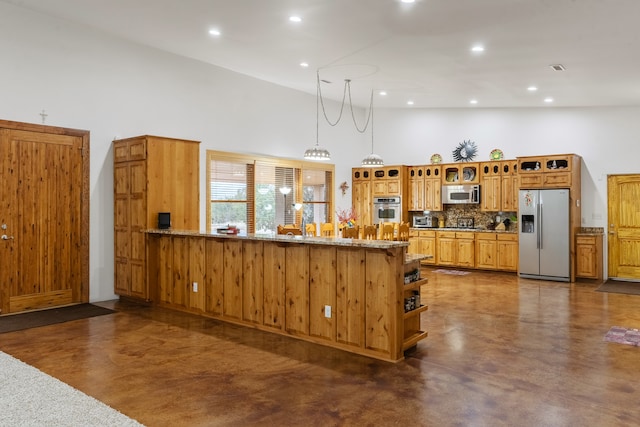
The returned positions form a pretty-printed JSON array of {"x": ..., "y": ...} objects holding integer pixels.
[{"x": 344, "y": 293}]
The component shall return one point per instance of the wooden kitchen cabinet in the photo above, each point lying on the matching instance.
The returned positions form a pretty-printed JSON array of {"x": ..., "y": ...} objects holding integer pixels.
[
  {"x": 423, "y": 242},
  {"x": 433, "y": 188},
  {"x": 507, "y": 251},
  {"x": 455, "y": 248},
  {"x": 486, "y": 251},
  {"x": 151, "y": 175},
  {"x": 461, "y": 173},
  {"x": 465, "y": 242},
  {"x": 491, "y": 184},
  {"x": 388, "y": 181},
  {"x": 554, "y": 171},
  {"x": 446, "y": 248},
  {"x": 361, "y": 194},
  {"x": 509, "y": 188},
  {"x": 499, "y": 183},
  {"x": 497, "y": 251},
  {"x": 589, "y": 256},
  {"x": 415, "y": 192}
]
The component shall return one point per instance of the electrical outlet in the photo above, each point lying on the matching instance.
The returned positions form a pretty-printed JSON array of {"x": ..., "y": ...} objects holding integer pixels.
[
  {"x": 195, "y": 286},
  {"x": 327, "y": 311}
]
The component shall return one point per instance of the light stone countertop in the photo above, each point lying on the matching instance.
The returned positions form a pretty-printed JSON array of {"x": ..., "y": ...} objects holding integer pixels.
[{"x": 328, "y": 241}]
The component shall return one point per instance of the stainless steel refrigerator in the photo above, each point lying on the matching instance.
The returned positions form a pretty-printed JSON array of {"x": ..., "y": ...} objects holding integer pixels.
[{"x": 544, "y": 251}]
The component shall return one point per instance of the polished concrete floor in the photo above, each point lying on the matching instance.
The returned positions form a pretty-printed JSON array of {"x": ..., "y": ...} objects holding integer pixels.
[{"x": 501, "y": 351}]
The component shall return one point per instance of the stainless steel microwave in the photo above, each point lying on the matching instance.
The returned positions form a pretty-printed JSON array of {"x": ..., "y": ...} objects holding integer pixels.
[{"x": 457, "y": 194}]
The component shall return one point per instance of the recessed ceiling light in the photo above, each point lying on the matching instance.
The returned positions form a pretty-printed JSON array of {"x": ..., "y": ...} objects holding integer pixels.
[
  {"x": 304, "y": 64},
  {"x": 477, "y": 48},
  {"x": 548, "y": 100},
  {"x": 295, "y": 19},
  {"x": 473, "y": 101},
  {"x": 214, "y": 32},
  {"x": 408, "y": 1},
  {"x": 532, "y": 88},
  {"x": 557, "y": 67},
  {"x": 409, "y": 102},
  {"x": 382, "y": 93}
]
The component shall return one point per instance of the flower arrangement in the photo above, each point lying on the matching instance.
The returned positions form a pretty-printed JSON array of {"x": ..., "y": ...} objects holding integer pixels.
[{"x": 347, "y": 217}]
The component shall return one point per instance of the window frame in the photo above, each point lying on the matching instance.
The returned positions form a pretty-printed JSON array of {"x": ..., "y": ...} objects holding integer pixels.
[{"x": 255, "y": 161}]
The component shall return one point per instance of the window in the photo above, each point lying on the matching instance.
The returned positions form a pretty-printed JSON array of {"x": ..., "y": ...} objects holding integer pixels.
[
  {"x": 230, "y": 196},
  {"x": 316, "y": 195},
  {"x": 251, "y": 193}
]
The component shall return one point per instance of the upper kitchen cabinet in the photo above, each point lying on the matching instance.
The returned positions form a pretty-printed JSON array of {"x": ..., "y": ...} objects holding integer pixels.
[
  {"x": 388, "y": 181},
  {"x": 499, "y": 183},
  {"x": 415, "y": 193},
  {"x": 151, "y": 175},
  {"x": 491, "y": 184},
  {"x": 509, "y": 175},
  {"x": 432, "y": 191},
  {"x": 361, "y": 194},
  {"x": 461, "y": 173},
  {"x": 555, "y": 171}
]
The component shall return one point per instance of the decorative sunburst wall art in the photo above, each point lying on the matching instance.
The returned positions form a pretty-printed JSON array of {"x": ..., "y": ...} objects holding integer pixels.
[{"x": 465, "y": 151}]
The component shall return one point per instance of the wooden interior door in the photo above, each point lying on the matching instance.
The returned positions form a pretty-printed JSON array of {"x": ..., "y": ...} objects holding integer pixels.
[
  {"x": 624, "y": 227},
  {"x": 43, "y": 217}
]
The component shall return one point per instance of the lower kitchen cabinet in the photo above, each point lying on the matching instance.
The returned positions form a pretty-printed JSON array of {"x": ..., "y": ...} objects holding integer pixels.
[
  {"x": 446, "y": 248},
  {"x": 589, "y": 256},
  {"x": 423, "y": 242},
  {"x": 481, "y": 250},
  {"x": 507, "y": 252},
  {"x": 486, "y": 251},
  {"x": 455, "y": 248}
]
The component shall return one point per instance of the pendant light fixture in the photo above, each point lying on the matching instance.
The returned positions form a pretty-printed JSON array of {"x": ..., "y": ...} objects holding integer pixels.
[
  {"x": 372, "y": 160},
  {"x": 316, "y": 152}
]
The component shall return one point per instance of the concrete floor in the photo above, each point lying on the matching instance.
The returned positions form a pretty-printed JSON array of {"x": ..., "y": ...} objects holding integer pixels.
[{"x": 501, "y": 351}]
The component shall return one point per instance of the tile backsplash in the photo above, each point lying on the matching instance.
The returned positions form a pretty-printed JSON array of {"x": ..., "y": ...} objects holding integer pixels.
[{"x": 487, "y": 220}]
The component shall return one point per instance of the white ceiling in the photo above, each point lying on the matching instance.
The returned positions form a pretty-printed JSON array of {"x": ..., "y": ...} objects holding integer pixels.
[{"x": 418, "y": 52}]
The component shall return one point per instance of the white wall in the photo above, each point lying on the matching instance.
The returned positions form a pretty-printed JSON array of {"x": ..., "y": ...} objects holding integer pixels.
[
  {"x": 606, "y": 138},
  {"x": 115, "y": 89},
  {"x": 88, "y": 80}
]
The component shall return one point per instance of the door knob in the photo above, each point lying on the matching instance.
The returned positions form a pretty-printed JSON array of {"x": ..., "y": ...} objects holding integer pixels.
[{"x": 5, "y": 237}]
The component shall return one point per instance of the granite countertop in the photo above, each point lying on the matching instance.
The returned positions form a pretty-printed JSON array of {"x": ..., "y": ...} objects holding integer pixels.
[
  {"x": 409, "y": 258},
  {"x": 329, "y": 241},
  {"x": 590, "y": 231}
]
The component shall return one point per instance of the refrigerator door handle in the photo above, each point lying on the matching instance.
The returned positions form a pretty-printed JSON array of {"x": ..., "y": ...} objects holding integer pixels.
[
  {"x": 540, "y": 242},
  {"x": 539, "y": 230}
]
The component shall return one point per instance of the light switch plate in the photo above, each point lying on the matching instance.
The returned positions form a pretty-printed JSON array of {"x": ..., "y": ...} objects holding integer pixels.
[{"x": 327, "y": 311}]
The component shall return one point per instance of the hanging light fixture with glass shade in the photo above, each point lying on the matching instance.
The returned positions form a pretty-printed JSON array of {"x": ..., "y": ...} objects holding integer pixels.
[
  {"x": 316, "y": 152},
  {"x": 372, "y": 159}
]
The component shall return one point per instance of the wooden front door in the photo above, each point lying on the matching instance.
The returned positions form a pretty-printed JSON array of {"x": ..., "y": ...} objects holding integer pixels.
[
  {"x": 624, "y": 226},
  {"x": 43, "y": 217}
]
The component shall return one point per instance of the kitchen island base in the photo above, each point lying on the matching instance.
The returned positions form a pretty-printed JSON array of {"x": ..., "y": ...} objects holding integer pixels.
[{"x": 343, "y": 293}]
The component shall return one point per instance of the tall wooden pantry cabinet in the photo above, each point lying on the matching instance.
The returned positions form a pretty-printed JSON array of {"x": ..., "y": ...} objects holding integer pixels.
[{"x": 151, "y": 174}]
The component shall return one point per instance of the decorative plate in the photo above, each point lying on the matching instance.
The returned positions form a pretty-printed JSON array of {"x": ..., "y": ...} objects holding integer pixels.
[
  {"x": 436, "y": 159},
  {"x": 468, "y": 174},
  {"x": 496, "y": 154}
]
